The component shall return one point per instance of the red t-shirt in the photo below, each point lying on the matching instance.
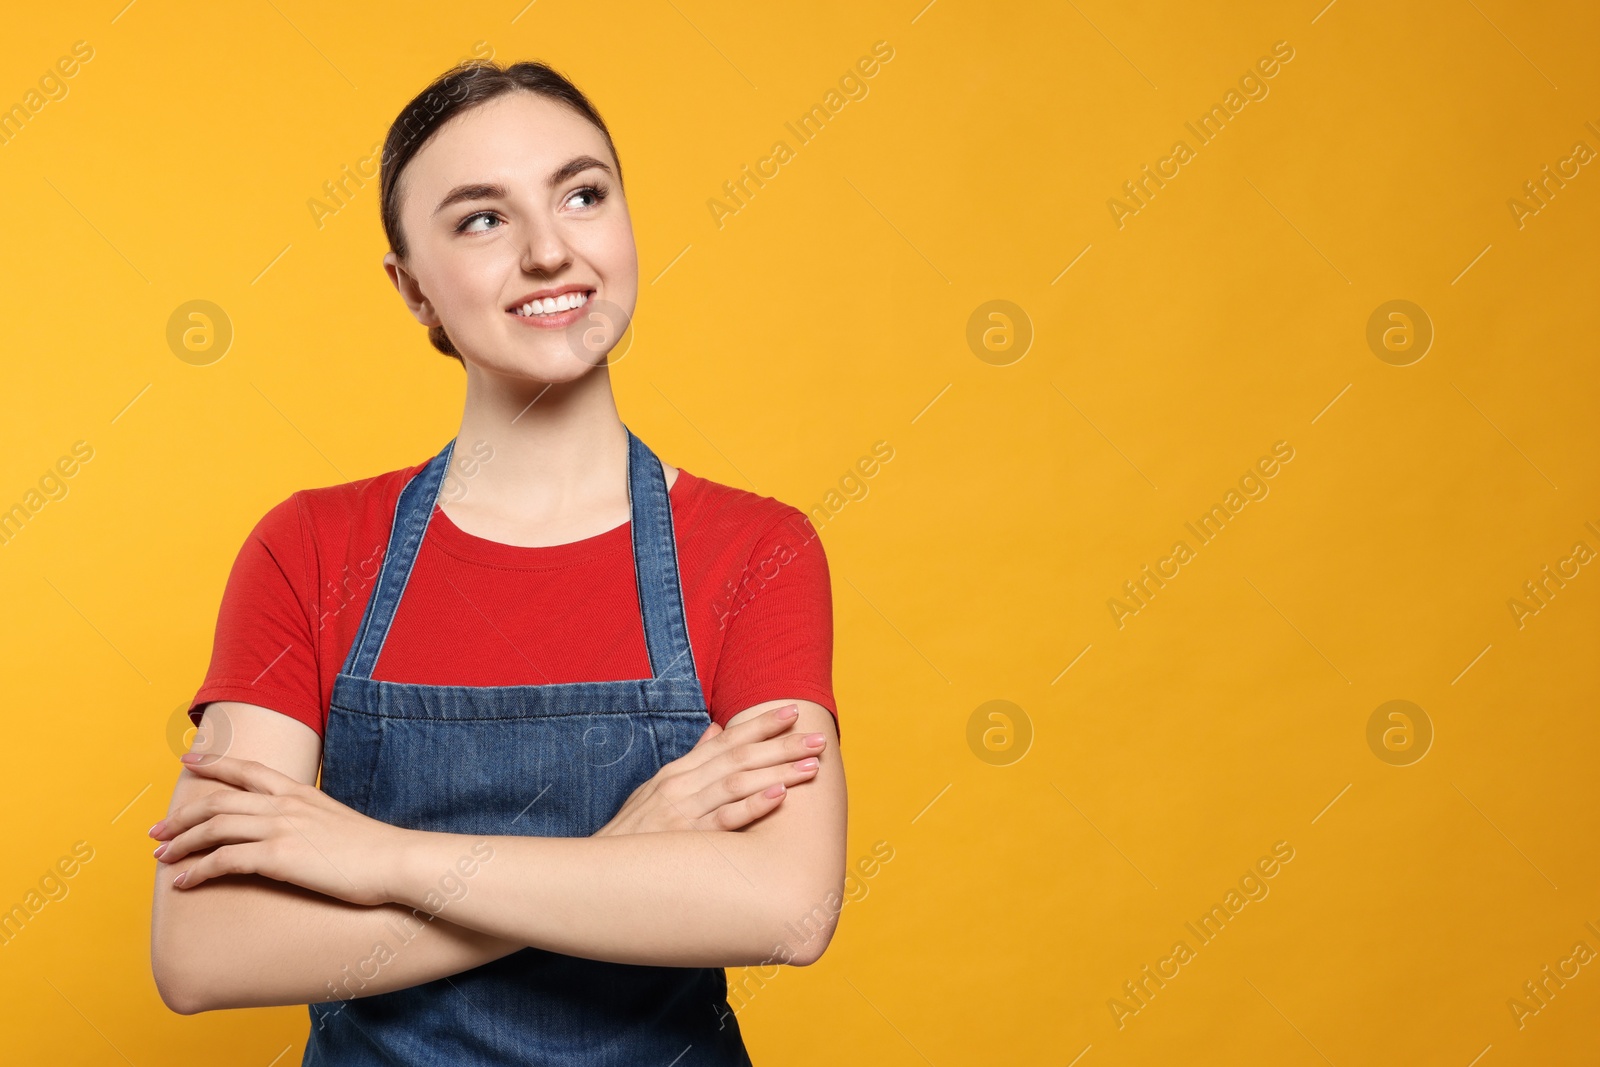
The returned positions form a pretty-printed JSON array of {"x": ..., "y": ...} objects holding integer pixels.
[{"x": 479, "y": 612}]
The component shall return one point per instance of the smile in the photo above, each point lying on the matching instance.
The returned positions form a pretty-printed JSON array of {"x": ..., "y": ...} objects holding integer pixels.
[{"x": 553, "y": 312}]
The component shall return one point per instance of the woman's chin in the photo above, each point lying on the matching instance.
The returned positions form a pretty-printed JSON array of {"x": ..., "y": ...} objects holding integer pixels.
[{"x": 552, "y": 367}]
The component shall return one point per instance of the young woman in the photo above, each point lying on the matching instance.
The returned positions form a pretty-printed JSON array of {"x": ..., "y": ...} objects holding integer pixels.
[{"x": 558, "y": 690}]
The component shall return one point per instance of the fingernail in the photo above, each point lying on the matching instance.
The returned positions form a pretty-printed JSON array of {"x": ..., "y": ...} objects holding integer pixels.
[
  {"x": 163, "y": 847},
  {"x": 179, "y": 880},
  {"x": 155, "y": 831},
  {"x": 788, "y": 711},
  {"x": 189, "y": 757},
  {"x": 814, "y": 740},
  {"x": 774, "y": 792},
  {"x": 806, "y": 764}
]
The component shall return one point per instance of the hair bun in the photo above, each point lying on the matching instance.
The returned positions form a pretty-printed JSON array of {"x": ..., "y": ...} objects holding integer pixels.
[{"x": 441, "y": 341}]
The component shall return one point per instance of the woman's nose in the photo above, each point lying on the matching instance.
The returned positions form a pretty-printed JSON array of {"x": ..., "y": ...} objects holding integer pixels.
[{"x": 543, "y": 250}]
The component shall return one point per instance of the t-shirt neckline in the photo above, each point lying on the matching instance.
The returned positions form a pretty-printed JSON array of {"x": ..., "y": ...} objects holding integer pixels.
[{"x": 444, "y": 534}]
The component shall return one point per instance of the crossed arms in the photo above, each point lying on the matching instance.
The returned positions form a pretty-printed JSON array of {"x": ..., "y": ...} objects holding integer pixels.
[{"x": 685, "y": 898}]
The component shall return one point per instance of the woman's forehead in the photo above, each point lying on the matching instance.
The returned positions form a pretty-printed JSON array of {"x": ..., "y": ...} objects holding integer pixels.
[{"x": 518, "y": 133}]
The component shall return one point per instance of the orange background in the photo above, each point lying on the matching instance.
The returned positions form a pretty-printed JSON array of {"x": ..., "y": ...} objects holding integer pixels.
[{"x": 1041, "y": 857}]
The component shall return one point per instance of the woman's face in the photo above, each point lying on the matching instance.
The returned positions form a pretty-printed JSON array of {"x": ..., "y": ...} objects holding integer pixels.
[{"x": 511, "y": 199}]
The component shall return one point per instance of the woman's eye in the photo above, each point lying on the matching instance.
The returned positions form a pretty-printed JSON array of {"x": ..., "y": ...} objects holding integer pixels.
[
  {"x": 467, "y": 224},
  {"x": 594, "y": 193}
]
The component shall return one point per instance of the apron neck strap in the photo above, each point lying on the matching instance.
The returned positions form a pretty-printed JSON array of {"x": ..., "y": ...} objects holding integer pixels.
[{"x": 655, "y": 564}]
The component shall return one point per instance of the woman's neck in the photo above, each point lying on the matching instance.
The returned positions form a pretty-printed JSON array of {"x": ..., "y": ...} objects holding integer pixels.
[{"x": 539, "y": 464}]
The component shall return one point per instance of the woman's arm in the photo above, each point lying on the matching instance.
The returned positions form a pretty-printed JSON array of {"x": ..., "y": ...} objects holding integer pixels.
[
  {"x": 768, "y": 893},
  {"x": 255, "y": 941},
  {"x": 251, "y": 941}
]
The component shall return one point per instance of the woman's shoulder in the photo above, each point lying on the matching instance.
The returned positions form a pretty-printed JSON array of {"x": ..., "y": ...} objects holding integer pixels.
[
  {"x": 362, "y": 494},
  {"x": 727, "y": 512},
  {"x": 328, "y": 515}
]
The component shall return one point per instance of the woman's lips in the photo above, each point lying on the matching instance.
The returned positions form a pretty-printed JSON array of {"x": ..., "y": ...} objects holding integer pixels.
[{"x": 556, "y": 320}]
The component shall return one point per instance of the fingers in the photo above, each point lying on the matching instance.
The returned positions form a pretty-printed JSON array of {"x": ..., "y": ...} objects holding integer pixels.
[
  {"x": 234, "y": 859},
  {"x": 758, "y": 755},
  {"x": 753, "y": 732},
  {"x": 768, "y": 724},
  {"x": 752, "y": 785},
  {"x": 790, "y": 747},
  {"x": 717, "y": 739},
  {"x": 727, "y": 764},
  {"x": 244, "y": 773},
  {"x": 741, "y": 813},
  {"x": 222, "y": 801},
  {"x": 730, "y": 765},
  {"x": 223, "y": 829}
]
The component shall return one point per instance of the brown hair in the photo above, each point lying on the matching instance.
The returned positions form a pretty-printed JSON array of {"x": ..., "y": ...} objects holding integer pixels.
[{"x": 459, "y": 89}]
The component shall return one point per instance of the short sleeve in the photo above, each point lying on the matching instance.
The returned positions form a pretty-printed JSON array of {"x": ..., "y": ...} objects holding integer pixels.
[
  {"x": 779, "y": 641},
  {"x": 264, "y": 651}
]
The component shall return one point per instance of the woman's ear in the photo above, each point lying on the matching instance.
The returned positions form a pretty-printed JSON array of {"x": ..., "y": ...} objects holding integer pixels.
[{"x": 410, "y": 291}]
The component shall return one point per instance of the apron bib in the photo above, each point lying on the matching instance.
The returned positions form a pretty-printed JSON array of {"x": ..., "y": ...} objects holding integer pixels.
[{"x": 535, "y": 760}]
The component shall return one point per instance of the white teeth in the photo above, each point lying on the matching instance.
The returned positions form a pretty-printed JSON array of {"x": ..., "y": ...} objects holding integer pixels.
[{"x": 552, "y": 305}]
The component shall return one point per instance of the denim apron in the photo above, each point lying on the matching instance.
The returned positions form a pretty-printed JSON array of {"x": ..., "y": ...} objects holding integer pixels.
[{"x": 536, "y": 760}]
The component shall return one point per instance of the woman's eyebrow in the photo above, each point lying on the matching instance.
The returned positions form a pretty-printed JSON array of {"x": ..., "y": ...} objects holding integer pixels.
[{"x": 494, "y": 191}]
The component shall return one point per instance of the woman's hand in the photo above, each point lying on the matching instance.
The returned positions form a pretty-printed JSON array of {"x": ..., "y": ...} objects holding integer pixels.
[
  {"x": 281, "y": 829},
  {"x": 728, "y": 780}
]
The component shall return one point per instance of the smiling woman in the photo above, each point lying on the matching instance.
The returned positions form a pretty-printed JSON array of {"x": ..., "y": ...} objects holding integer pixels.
[
  {"x": 538, "y": 671},
  {"x": 468, "y": 209}
]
